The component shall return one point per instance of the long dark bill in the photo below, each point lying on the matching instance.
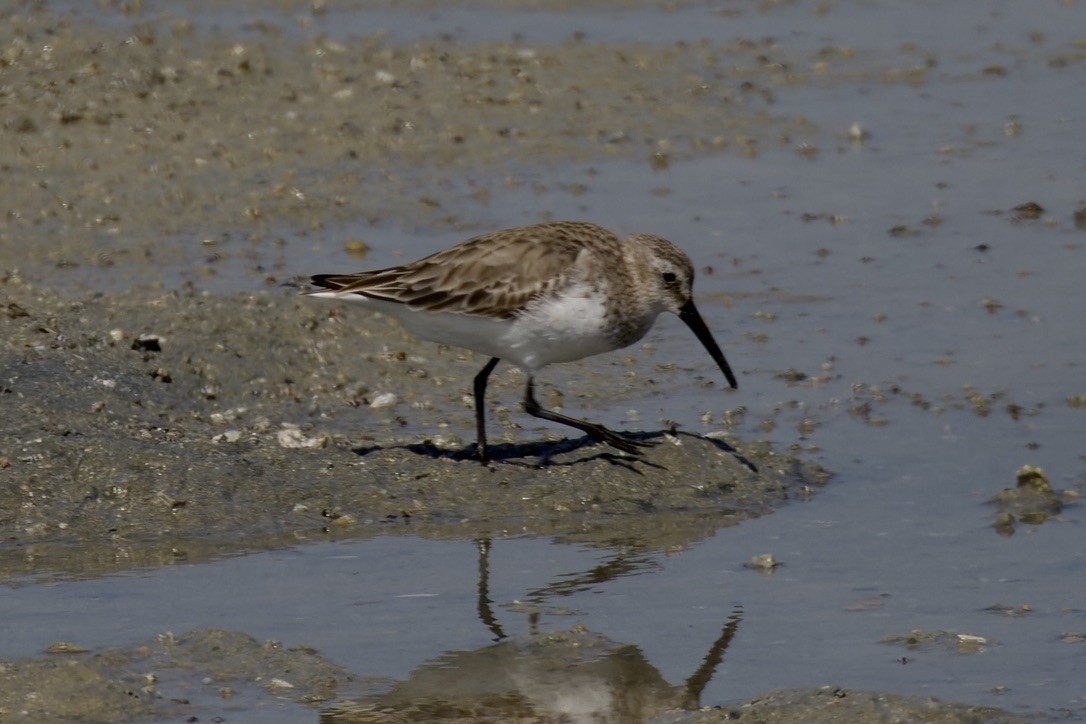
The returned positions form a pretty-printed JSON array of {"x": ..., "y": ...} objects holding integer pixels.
[{"x": 689, "y": 314}]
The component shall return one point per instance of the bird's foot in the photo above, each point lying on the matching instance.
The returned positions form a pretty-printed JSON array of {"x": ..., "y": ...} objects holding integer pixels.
[{"x": 628, "y": 445}]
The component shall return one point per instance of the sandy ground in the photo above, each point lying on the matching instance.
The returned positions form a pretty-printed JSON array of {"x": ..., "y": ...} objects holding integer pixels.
[
  {"x": 151, "y": 424},
  {"x": 189, "y": 415},
  {"x": 114, "y": 139}
]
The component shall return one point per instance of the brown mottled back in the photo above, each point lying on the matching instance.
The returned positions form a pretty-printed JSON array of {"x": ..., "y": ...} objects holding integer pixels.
[{"x": 492, "y": 275}]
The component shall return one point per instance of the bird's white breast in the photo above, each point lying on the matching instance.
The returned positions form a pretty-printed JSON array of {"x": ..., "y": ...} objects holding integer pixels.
[{"x": 559, "y": 328}]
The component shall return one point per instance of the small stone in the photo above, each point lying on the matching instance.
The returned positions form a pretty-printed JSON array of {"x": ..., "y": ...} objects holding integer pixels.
[
  {"x": 857, "y": 133},
  {"x": 356, "y": 248},
  {"x": 764, "y": 563},
  {"x": 971, "y": 644},
  {"x": 228, "y": 436},
  {"x": 1080, "y": 218},
  {"x": 64, "y": 647},
  {"x": 345, "y": 520},
  {"x": 292, "y": 437},
  {"x": 385, "y": 399},
  {"x": 1028, "y": 211},
  {"x": 1033, "y": 477}
]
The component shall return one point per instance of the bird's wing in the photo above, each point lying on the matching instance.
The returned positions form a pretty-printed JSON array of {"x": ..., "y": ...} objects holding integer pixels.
[{"x": 493, "y": 275}]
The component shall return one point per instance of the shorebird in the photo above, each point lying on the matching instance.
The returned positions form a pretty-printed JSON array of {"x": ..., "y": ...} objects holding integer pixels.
[{"x": 533, "y": 296}]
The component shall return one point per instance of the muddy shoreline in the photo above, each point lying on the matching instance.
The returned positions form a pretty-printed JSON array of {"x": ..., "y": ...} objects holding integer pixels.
[
  {"x": 169, "y": 411},
  {"x": 144, "y": 144},
  {"x": 195, "y": 415}
]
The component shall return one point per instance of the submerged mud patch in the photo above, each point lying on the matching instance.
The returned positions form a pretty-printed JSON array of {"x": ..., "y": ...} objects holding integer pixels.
[
  {"x": 212, "y": 673},
  {"x": 169, "y": 676}
]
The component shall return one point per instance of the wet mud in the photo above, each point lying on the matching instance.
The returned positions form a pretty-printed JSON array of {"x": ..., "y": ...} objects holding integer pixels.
[
  {"x": 116, "y": 138},
  {"x": 170, "y": 676},
  {"x": 159, "y": 422},
  {"x": 550, "y": 677}
]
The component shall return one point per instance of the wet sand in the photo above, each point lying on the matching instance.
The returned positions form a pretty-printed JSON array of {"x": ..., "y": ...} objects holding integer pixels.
[
  {"x": 118, "y": 138},
  {"x": 173, "y": 411},
  {"x": 187, "y": 415}
]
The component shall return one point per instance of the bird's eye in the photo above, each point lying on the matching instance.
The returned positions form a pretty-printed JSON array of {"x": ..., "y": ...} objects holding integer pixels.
[{"x": 669, "y": 277}]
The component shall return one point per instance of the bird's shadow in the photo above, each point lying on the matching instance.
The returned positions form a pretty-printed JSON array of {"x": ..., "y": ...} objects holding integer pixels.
[
  {"x": 518, "y": 454},
  {"x": 545, "y": 452}
]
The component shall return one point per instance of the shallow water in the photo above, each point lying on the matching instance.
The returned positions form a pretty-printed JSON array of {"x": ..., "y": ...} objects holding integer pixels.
[{"x": 902, "y": 539}]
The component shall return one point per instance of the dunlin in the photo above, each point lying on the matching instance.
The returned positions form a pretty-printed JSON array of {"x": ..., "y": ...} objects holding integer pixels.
[{"x": 533, "y": 296}]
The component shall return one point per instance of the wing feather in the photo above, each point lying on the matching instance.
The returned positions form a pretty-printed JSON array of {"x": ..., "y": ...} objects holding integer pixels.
[{"x": 493, "y": 275}]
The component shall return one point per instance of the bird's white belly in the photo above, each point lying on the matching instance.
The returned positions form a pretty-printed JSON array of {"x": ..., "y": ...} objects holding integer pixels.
[{"x": 561, "y": 329}]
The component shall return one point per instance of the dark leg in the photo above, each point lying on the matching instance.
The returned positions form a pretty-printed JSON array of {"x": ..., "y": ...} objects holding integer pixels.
[
  {"x": 480, "y": 409},
  {"x": 486, "y": 612},
  {"x": 597, "y": 432}
]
